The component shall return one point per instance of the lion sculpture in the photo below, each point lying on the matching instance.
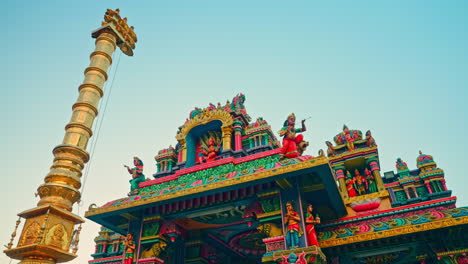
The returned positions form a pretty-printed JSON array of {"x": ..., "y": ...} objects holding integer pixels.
[
  {"x": 155, "y": 250},
  {"x": 270, "y": 230}
]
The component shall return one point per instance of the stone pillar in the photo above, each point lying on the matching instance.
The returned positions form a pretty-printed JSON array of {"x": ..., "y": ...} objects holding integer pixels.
[{"x": 38, "y": 243}]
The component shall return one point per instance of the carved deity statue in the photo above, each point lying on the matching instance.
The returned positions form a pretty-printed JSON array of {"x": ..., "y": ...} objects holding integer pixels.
[
  {"x": 292, "y": 221},
  {"x": 349, "y": 138},
  {"x": 137, "y": 175},
  {"x": 310, "y": 226},
  {"x": 350, "y": 185},
  {"x": 331, "y": 150},
  {"x": 370, "y": 140},
  {"x": 129, "y": 249},
  {"x": 210, "y": 147},
  {"x": 401, "y": 165},
  {"x": 293, "y": 145},
  {"x": 360, "y": 182},
  {"x": 371, "y": 184}
]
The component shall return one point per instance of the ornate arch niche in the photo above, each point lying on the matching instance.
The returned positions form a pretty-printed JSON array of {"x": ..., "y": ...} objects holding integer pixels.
[{"x": 208, "y": 120}]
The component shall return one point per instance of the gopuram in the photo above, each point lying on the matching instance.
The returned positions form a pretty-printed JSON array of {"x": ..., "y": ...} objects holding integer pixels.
[
  {"x": 239, "y": 190},
  {"x": 232, "y": 190}
]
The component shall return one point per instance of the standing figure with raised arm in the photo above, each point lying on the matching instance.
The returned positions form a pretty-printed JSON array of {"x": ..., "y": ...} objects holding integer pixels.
[{"x": 293, "y": 145}]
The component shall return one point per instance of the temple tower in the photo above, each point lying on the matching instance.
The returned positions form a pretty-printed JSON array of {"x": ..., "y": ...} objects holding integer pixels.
[{"x": 48, "y": 233}]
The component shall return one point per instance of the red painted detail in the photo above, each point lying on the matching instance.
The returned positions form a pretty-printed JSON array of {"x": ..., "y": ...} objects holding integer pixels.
[
  {"x": 159, "y": 180},
  {"x": 366, "y": 207},
  {"x": 454, "y": 198},
  {"x": 238, "y": 142}
]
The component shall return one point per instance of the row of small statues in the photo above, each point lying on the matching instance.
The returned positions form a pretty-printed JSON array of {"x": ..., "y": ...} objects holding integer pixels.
[{"x": 359, "y": 184}]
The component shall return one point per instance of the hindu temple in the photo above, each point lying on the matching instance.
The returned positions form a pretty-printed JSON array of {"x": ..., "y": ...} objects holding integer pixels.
[
  {"x": 235, "y": 189},
  {"x": 239, "y": 190}
]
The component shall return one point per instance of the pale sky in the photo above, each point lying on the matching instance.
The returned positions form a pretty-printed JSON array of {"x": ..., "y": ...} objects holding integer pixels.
[{"x": 397, "y": 68}]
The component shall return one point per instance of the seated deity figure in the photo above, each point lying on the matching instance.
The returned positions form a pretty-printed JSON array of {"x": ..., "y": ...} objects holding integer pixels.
[
  {"x": 293, "y": 230},
  {"x": 137, "y": 175},
  {"x": 209, "y": 151},
  {"x": 293, "y": 145}
]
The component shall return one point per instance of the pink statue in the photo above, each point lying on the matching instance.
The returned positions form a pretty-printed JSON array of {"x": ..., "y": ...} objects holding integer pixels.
[
  {"x": 293, "y": 145},
  {"x": 310, "y": 226}
]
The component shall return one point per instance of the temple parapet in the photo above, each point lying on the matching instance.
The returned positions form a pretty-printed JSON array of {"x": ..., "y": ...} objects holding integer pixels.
[{"x": 406, "y": 186}]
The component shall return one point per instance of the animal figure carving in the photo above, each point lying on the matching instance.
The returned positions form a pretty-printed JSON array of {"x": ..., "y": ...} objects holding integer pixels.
[
  {"x": 270, "y": 230},
  {"x": 155, "y": 250}
]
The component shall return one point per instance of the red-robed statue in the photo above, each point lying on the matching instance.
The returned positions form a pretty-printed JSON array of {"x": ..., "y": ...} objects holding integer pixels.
[
  {"x": 310, "y": 226},
  {"x": 293, "y": 145}
]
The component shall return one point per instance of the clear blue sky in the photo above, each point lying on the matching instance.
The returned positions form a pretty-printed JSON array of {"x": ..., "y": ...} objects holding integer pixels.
[{"x": 398, "y": 68}]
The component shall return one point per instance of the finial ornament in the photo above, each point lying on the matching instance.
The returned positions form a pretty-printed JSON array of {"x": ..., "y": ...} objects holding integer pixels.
[{"x": 126, "y": 37}]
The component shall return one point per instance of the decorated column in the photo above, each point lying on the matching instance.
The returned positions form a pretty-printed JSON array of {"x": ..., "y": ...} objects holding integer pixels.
[
  {"x": 227, "y": 136},
  {"x": 373, "y": 163},
  {"x": 47, "y": 233},
  {"x": 237, "y": 134},
  {"x": 340, "y": 177}
]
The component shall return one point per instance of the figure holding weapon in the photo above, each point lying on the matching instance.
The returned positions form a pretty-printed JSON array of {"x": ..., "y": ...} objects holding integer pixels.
[{"x": 293, "y": 145}]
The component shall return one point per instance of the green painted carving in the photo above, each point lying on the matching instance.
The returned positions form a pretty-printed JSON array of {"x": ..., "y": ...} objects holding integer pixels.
[
  {"x": 151, "y": 229},
  {"x": 400, "y": 196},
  {"x": 270, "y": 205},
  {"x": 215, "y": 174},
  {"x": 422, "y": 191}
]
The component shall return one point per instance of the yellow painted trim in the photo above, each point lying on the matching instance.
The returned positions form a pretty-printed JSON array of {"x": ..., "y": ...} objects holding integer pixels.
[
  {"x": 382, "y": 194},
  {"x": 454, "y": 252},
  {"x": 394, "y": 232},
  {"x": 212, "y": 186}
]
